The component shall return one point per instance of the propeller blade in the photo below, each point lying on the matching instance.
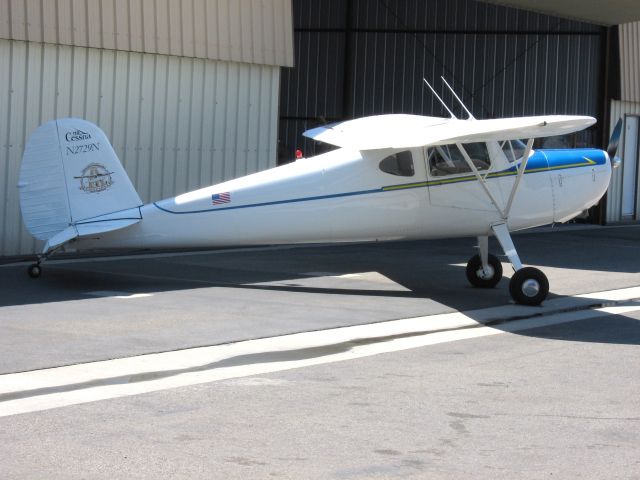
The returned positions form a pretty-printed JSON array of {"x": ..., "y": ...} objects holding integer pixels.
[{"x": 612, "y": 148}]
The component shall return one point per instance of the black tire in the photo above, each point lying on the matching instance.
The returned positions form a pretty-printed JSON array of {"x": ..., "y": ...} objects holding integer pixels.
[
  {"x": 474, "y": 272},
  {"x": 529, "y": 286},
  {"x": 34, "y": 270}
]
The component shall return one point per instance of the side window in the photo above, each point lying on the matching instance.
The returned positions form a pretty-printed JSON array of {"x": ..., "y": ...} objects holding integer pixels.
[
  {"x": 513, "y": 149},
  {"x": 448, "y": 159},
  {"x": 400, "y": 164}
]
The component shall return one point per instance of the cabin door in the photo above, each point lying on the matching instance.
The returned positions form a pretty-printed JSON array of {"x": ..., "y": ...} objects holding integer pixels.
[{"x": 453, "y": 184}]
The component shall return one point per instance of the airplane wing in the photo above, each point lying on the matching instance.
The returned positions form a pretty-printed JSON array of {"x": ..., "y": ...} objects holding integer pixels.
[{"x": 408, "y": 131}]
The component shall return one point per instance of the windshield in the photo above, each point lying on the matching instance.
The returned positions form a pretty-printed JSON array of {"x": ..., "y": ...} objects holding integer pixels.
[{"x": 513, "y": 149}]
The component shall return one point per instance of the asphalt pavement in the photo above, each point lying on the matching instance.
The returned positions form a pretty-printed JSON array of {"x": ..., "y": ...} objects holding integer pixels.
[{"x": 558, "y": 400}]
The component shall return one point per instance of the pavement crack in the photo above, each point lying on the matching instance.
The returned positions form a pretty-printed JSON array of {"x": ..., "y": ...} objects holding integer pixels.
[{"x": 584, "y": 417}]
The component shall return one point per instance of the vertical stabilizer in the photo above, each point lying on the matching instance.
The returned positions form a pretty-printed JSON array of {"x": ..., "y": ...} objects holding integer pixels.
[{"x": 70, "y": 174}]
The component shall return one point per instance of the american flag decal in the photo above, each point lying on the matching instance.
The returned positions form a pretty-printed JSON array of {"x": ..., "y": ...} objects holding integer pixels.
[{"x": 218, "y": 198}]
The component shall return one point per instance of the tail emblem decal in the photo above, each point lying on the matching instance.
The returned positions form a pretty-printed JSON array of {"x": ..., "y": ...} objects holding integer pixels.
[{"x": 95, "y": 178}]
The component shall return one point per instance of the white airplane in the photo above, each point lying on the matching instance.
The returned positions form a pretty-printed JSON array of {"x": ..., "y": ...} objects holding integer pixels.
[{"x": 393, "y": 177}]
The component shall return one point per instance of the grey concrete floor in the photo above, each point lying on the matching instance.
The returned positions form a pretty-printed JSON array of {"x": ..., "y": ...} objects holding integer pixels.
[
  {"x": 555, "y": 402},
  {"x": 212, "y": 298}
]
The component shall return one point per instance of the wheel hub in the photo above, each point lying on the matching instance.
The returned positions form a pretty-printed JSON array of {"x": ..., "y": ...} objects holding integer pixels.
[
  {"x": 530, "y": 287},
  {"x": 486, "y": 273}
]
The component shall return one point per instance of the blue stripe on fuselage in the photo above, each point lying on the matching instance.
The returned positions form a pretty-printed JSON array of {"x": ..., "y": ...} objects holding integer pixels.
[{"x": 541, "y": 161}]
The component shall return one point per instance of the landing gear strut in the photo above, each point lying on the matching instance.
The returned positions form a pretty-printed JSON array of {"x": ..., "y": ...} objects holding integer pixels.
[
  {"x": 35, "y": 270},
  {"x": 528, "y": 286}
]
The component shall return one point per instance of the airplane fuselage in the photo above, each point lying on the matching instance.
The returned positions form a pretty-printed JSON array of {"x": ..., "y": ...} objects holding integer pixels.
[{"x": 345, "y": 196}]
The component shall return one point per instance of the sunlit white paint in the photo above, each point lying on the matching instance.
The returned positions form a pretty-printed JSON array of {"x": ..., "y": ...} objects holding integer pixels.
[
  {"x": 343, "y": 195},
  {"x": 259, "y": 32}
]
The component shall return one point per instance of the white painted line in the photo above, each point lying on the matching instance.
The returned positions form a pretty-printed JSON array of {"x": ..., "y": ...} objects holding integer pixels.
[
  {"x": 64, "y": 386},
  {"x": 114, "y": 294},
  {"x": 613, "y": 295}
]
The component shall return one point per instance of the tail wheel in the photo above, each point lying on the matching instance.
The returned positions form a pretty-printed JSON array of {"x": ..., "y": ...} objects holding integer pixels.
[
  {"x": 481, "y": 278},
  {"x": 34, "y": 270},
  {"x": 529, "y": 286}
]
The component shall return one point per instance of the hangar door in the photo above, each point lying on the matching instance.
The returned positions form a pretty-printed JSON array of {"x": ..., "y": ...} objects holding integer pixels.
[{"x": 630, "y": 152}]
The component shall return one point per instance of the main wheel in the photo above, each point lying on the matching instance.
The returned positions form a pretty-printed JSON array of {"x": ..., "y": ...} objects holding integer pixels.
[
  {"x": 34, "y": 270},
  {"x": 478, "y": 277},
  {"x": 529, "y": 286}
]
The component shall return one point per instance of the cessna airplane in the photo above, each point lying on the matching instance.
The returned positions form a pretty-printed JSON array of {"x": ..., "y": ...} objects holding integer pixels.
[{"x": 393, "y": 177}]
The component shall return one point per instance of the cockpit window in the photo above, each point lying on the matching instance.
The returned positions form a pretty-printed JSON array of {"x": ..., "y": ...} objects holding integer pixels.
[
  {"x": 400, "y": 164},
  {"x": 513, "y": 149},
  {"x": 448, "y": 159}
]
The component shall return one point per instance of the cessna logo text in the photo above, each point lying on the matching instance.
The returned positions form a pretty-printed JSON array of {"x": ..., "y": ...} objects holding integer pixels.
[
  {"x": 89, "y": 147},
  {"x": 76, "y": 136}
]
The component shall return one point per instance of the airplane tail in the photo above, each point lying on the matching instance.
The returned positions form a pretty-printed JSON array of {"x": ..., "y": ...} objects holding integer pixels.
[{"x": 72, "y": 184}]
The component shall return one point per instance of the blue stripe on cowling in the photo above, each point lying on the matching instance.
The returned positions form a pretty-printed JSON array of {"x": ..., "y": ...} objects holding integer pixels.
[{"x": 559, "y": 158}]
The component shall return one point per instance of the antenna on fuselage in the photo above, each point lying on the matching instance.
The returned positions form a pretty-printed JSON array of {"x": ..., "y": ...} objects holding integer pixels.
[
  {"x": 441, "y": 101},
  {"x": 471, "y": 117}
]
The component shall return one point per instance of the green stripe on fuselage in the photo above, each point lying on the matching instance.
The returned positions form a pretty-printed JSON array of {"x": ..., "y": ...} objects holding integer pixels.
[{"x": 505, "y": 173}]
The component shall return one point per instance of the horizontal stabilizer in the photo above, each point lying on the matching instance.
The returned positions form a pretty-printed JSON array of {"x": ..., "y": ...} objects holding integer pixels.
[
  {"x": 61, "y": 238},
  {"x": 90, "y": 229},
  {"x": 410, "y": 131},
  {"x": 95, "y": 226}
]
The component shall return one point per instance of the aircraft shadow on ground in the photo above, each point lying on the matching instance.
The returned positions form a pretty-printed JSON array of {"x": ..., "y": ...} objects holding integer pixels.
[
  {"x": 431, "y": 270},
  {"x": 419, "y": 270}
]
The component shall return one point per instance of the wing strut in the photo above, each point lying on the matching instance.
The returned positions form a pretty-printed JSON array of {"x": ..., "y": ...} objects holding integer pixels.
[
  {"x": 523, "y": 166},
  {"x": 480, "y": 178}
]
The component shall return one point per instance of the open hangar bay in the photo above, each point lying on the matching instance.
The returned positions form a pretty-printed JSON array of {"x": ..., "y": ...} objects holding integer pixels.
[{"x": 190, "y": 369}]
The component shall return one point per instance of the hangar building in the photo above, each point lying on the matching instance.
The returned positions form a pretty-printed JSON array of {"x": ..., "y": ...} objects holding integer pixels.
[
  {"x": 508, "y": 58},
  {"x": 187, "y": 91},
  {"x": 194, "y": 92},
  {"x": 623, "y": 197}
]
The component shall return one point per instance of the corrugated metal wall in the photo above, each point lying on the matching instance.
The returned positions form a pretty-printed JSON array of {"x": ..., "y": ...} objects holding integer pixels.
[
  {"x": 176, "y": 123},
  {"x": 364, "y": 57},
  {"x": 629, "y": 104},
  {"x": 629, "y": 39},
  {"x": 251, "y": 31},
  {"x": 614, "y": 194}
]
